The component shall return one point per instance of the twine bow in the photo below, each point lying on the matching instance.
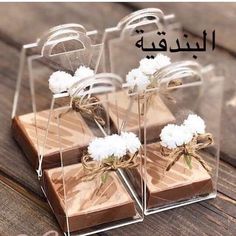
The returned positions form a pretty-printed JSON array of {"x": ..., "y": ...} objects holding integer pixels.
[
  {"x": 189, "y": 150},
  {"x": 109, "y": 164},
  {"x": 89, "y": 108}
]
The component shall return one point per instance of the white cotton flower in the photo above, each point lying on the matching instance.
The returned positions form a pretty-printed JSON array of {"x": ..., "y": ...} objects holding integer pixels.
[
  {"x": 168, "y": 136},
  {"x": 142, "y": 83},
  {"x": 195, "y": 124},
  {"x": 136, "y": 79},
  {"x": 173, "y": 136},
  {"x": 161, "y": 61},
  {"x": 183, "y": 135},
  {"x": 148, "y": 66},
  {"x": 97, "y": 149},
  {"x": 131, "y": 141},
  {"x": 70, "y": 83},
  {"x": 115, "y": 146},
  {"x": 110, "y": 146},
  {"x": 60, "y": 81},
  {"x": 83, "y": 72}
]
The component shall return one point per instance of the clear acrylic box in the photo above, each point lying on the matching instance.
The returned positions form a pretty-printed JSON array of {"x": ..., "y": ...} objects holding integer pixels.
[
  {"x": 186, "y": 171},
  {"x": 92, "y": 195},
  {"x": 55, "y": 131},
  {"x": 65, "y": 48},
  {"x": 182, "y": 88}
]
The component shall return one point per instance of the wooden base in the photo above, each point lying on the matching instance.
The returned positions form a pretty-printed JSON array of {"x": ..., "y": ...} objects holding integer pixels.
[
  {"x": 87, "y": 202},
  {"x": 74, "y": 132},
  {"x": 177, "y": 184}
]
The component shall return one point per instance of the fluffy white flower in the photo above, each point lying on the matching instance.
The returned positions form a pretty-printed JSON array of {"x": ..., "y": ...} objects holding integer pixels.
[
  {"x": 83, "y": 72},
  {"x": 102, "y": 148},
  {"x": 195, "y": 124},
  {"x": 115, "y": 146},
  {"x": 142, "y": 83},
  {"x": 184, "y": 135},
  {"x": 131, "y": 141},
  {"x": 161, "y": 61},
  {"x": 173, "y": 136},
  {"x": 97, "y": 149},
  {"x": 148, "y": 66},
  {"x": 60, "y": 81},
  {"x": 136, "y": 78}
]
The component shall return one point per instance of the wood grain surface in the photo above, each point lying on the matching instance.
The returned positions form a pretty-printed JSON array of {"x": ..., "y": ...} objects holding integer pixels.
[{"x": 23, "y": 207}]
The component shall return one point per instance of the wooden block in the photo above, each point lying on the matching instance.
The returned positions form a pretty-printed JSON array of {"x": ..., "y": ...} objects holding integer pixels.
[
  {"x": 157, "y": 117},
  {"x": 179, "y": 183},
  {"x": 75, "y": 136},
  {"x": 88, "y": 203}
]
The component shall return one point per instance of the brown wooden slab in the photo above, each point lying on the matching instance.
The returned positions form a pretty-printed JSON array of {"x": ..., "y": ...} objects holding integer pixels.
[
  {"x": 75, "y": 135},
  {"x": 86, "y": 202}
]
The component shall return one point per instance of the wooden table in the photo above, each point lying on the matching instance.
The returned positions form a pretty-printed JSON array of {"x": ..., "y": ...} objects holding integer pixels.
[{"x": 23, "y": 208}]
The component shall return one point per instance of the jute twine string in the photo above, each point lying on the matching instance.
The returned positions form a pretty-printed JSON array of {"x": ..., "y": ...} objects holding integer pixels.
[
  {"x": 88, "y": 107},
  {"x": 189, "y": 150},
  {"x": 109, "y": 164}
]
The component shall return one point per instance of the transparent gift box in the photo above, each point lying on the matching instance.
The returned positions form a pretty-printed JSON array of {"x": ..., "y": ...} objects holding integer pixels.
[
  {"x": 95, "y": 193},
  {"x": 181, "y": 160},
  {"x": 178, "y": 88},
  {"x": 62, "y": 48}
]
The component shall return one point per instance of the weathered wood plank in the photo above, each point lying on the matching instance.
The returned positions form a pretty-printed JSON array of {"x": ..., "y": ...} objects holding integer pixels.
[
  {"x": 195, "y": 17},
  {"x": 227, "y": 180},
  {"x": 22, "y": 23},
  {"x": 19, "y": 215},
  {"x": 196, "y": 219},
  {"x": 12, "y": 161}
]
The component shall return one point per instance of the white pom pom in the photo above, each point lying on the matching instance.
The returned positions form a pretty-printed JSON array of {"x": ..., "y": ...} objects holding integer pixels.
[
  {"x": 131, "y": 141},
  {"x": 137, "y": 79},
  {"x": 115, "y": 146},
  {"x": 173, "y": 136},
  {"x": 148, "y": 66},
  {"x": 83, "y": 72},
  {"x": 60, "y": 81},
  {"x": 161, "y": 61},
  {"x": 195, "y": 124}
]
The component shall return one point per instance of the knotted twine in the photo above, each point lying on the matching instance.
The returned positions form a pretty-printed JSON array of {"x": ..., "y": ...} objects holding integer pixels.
[
  {"x": 89, "y": 108},
  {"x": 189, "y": 151},
  {"x": 109, "y": 164}
]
